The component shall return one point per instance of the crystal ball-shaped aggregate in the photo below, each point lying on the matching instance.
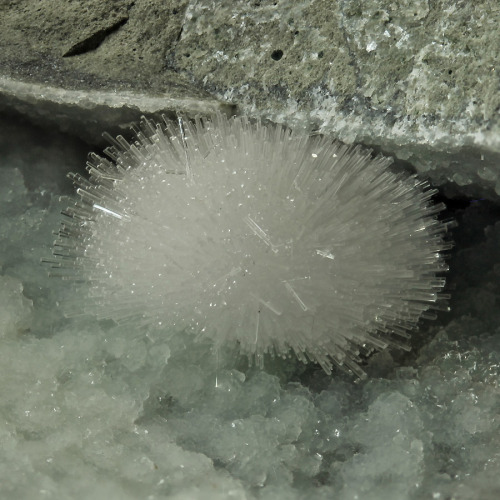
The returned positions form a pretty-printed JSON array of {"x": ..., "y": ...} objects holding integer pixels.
[{"x": 251, "y": 234}]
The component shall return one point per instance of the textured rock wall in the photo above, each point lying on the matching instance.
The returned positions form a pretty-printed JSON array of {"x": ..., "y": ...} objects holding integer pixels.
[
  {"x": 418, "y": 79},
  {"x": 415, "y": 79}
]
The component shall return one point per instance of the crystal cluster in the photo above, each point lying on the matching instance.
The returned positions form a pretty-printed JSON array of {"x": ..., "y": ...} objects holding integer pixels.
[{"x": 251, "y": 234}]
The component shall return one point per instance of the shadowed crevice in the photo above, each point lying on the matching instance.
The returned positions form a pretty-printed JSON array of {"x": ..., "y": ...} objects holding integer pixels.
[{"x": 95, "y": 39}]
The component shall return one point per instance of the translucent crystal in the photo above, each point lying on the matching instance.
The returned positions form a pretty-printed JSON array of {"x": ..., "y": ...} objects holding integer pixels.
[{"x": 248, "y": 233}]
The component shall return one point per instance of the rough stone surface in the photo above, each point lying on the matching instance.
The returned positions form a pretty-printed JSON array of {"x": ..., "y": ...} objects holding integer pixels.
[
  {"x": 419, "y": 79},
  {"x": 90, "y": 45},
  {"x": 94, "y": 66}
]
